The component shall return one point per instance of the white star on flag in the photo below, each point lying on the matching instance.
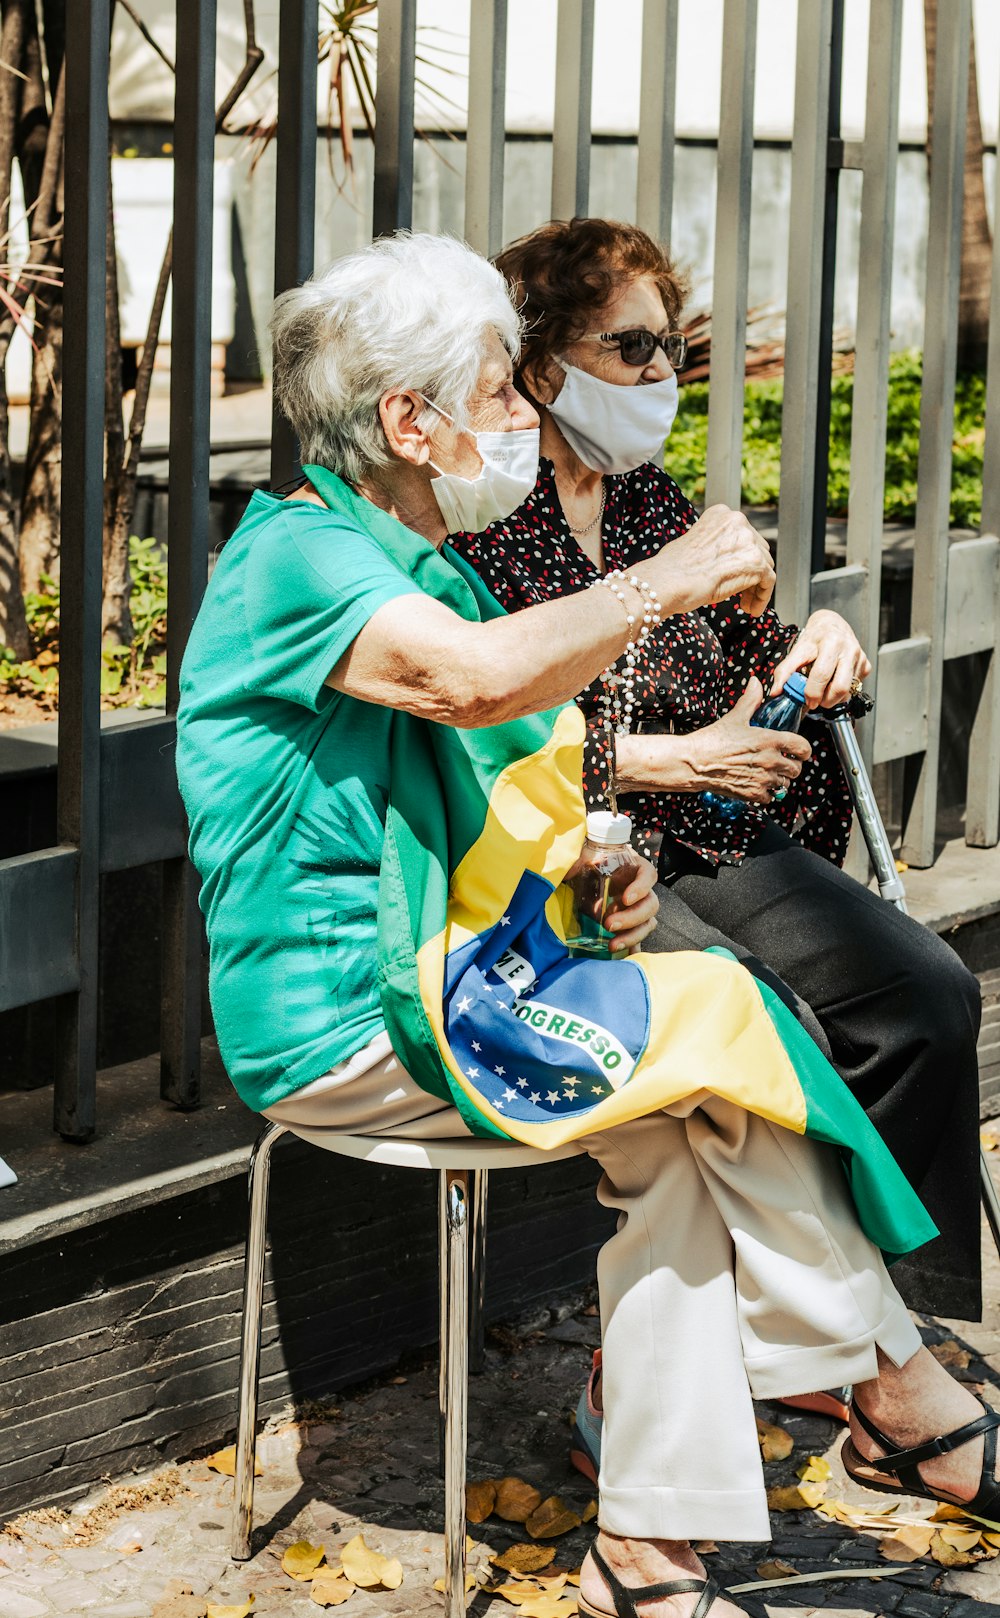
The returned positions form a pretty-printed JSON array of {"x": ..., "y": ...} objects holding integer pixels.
[
  {"x": 499, "y": 1106},
  {"x": 522, "y": 1084},
  {"x": 488, "y": 987},
  {"x": 535, "y": 1096},
  {"x": 473, "y": 1072},
  {"x": 510, "y": 1095},
  {"x": 569, "y": 1079},
  {"x": 569, "y": 1095},
  {"x": 499, "y": 1071},
  {"x": 476, "y": 1046},
  {"x": 553, "y": 1095},
  {"x": 505, "y": 921},
  {"x": 464, "y": 1004},
  {"x": 596, "y": 1090}
]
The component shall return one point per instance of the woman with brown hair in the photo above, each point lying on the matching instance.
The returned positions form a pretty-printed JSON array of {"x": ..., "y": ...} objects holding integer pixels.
[{"x": 899, "y": 1012}]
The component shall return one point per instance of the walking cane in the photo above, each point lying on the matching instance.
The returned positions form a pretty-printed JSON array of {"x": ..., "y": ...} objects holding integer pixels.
[{"x": 890, "y": 884}]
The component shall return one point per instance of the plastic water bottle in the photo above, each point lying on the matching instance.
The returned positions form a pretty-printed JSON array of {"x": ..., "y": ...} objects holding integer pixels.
[
  {"x": 783, "y": 712},
  {"x": 607, "y": 865}
]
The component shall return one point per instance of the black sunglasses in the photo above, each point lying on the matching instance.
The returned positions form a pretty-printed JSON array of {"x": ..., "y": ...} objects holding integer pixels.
[{"x": 637, "y": 346}]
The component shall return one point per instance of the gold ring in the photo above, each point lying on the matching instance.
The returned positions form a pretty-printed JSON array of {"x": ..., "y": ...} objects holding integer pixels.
[{"x": 856, "y": 686}]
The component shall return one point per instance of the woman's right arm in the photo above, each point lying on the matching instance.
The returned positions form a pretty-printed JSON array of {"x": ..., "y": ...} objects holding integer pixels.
[{"x": 416, "y": 654}]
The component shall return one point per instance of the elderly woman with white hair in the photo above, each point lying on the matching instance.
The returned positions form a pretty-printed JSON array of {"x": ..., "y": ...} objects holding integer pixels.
[{"x": 382, "y": 776}]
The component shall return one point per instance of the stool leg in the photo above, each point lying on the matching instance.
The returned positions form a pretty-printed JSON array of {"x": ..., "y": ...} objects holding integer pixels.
[
  {"x": 991, "y": 1203},
  {"x": 479, "y": 1182},
  {"x": 454, "y": 1384},
  {"x": 253, "y": 1300}
]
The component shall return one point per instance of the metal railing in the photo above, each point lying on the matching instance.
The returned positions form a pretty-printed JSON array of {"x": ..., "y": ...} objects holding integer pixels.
[{"x": 118, "y": 805}]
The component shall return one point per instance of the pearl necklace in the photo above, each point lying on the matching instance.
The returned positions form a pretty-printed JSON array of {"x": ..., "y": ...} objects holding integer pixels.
[{"x": 617, "y": 699}]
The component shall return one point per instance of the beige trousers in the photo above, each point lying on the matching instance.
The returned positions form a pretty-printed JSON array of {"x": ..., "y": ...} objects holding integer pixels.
[{"x": 738, "y": 1270}]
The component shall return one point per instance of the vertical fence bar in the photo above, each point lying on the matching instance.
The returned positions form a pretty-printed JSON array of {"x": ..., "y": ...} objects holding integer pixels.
[
  {"x": 295, "y": 182},
  {"x": 824, "y": 358},
  {"x": 937, "y": 404},
  {"x": 88, "y": 42},
  {"x": 394, "y": 90},
  {"x": 724, "y": 466},
  {"x": 484, "y": 140},
  {"x": 871, "y": 349},
  {"x": 571, "y": 120},
  {"x": 187, "y": 505},
  {"x": 654, "y": 201},
  {"x": 804, "y": 304},
  {"x": 982, "y": 813}
]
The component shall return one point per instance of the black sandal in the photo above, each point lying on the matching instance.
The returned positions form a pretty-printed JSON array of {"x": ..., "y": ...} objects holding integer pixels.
[
  {"x": 903, "y": 1464},
  {"x": 627, "y": 1600}
]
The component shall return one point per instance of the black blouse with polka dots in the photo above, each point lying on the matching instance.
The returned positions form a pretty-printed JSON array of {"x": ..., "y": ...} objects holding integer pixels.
[{"x": 692, "y": 669}]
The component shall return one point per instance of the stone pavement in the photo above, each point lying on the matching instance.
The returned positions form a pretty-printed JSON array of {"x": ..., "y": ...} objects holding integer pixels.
[{"x": 156, "y": 1547}]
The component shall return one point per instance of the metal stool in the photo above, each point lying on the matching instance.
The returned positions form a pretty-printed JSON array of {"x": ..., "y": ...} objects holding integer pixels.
[{"x": 463, "y": 1165}]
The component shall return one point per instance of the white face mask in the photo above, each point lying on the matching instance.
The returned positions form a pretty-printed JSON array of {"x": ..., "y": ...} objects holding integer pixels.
[
  {"x": 508, "y": 474},
  {"x": 612, "y": 427}
]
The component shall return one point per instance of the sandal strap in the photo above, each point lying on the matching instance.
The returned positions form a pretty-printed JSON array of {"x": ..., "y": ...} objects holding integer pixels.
[
  {"x": 627, "y": 1597},
  {"x": 894, "y": 1459}
]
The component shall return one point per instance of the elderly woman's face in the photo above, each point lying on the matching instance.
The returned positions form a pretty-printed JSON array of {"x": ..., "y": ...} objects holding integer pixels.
[
  {"x": 495, "y": 407},
  {"x": 638, "y": 304}
]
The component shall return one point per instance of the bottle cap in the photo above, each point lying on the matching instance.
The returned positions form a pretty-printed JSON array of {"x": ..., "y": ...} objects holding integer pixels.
[
  {"x": 795, "y": 687},
  {"x": 604, "y": 827}
]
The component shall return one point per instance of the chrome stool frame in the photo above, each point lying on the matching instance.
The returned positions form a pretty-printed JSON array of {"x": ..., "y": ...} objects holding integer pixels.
[{"x": 462, "y": 1166}]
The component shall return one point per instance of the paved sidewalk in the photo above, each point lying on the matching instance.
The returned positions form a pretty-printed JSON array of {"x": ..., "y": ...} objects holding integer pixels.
[{"x": 157, "y": 1547}]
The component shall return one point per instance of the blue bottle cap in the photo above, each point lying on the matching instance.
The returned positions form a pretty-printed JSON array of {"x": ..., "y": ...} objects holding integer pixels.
[{"x": 795, "y": 687}]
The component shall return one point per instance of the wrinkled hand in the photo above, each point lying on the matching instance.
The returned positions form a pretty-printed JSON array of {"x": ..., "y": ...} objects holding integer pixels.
[
  {"x": 719, "y": 557},
  {"x": 739, "y": 760},
  {"x": 633, "y": 917},
  {"x": 829, "y": 644}
]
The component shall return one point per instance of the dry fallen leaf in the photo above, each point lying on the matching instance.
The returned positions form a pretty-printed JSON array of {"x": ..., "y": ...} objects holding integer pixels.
[
  {"x": 533, "y": 1602},
  {"x": 706, "y": 1547},
  {"x": 797, "y": 1497},
  {"x": 552, "y": 1518},
  {"x": 516, "y": 1500},
  {"x": 775, "y": 1443},
  {"x": 480, "y": 1498},
  {"x": 243, "y": 1610},
  {"x": 301, "y": 1560},
  {"x": 777, "y": 1569},
  {"x": 369, "y": 1568},
  {"x": 907, "y": 1543},
  {"x": 951, "y": 1353},
  {"x": 590, "y": 1511},
  {"x": 815, "y": 1470},
  {"x": 470, "y": 1583},
  {"x": 961, "y": 1539},
  {"x": 224, "y": 1461},
  {"x": 330, "y": 1588},
  {"x": 838, "y": 1511},
  {"x": 946, "y": 1513},
  {"x": 526, "y": 1558},
  {"x": 948, "y": 1556}
]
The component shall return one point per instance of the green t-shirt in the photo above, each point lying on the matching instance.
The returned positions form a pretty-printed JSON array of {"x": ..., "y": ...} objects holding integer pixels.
[{"x": 284, "y": 782}]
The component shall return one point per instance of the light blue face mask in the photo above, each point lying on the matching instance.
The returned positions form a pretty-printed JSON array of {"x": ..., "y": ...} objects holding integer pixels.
[{"x": 614, "y": 427}]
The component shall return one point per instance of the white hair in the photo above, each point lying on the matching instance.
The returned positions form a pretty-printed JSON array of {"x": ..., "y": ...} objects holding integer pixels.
[{"x": 410, "y": 311}]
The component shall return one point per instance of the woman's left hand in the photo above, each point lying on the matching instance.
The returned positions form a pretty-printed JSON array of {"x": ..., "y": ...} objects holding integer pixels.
[
  {"x": 829, "y": 644},
  {"x": 633, "y": 917}
]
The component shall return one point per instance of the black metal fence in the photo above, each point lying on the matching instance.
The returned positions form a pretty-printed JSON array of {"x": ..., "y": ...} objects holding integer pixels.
[{"x": 118, "y": 805}]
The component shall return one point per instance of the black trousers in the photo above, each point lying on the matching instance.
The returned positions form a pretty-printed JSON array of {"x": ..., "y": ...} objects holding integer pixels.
[{"x": 890, "y": 1003}]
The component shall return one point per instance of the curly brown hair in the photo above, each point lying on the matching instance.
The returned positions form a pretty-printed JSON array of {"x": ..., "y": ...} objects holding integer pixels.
[{"x": 564, "y": 273}]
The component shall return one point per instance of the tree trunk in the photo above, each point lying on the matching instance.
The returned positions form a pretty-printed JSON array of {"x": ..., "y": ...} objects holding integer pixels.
[
  {"x": 974, "y": 286},
  {"x": 116, "y": 619}
]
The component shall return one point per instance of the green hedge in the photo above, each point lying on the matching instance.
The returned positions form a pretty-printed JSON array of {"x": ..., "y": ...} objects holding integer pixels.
[{"x": 685, "y": 458}]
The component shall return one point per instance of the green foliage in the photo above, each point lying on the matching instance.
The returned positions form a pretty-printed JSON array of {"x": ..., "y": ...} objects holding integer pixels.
[
  {"x": 685, "y": 459},
  {"x": 131, "y": 676}
]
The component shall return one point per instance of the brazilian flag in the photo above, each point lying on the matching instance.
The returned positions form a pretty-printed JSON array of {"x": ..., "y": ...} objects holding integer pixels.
[{"x": 482, "y": 1000}]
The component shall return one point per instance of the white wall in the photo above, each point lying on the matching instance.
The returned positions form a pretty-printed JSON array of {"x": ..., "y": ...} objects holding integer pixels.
[{"x": 141, "y": 88}]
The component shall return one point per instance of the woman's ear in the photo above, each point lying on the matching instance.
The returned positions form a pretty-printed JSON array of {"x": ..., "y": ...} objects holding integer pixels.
[
  {"x": 543, "y": 380},
  {"x": 400, "y": 415}
]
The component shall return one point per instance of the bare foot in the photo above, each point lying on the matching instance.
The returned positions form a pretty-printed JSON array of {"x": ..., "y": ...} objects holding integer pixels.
[
  {"x": 912, "y": 1404},
  {"x": 641, "y": 1562}
]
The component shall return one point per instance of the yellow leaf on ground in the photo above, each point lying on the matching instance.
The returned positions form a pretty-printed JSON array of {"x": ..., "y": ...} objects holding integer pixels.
[
  {"x": 590, "y": 1511},
  {"x": 815, "y": 1470},
  {"x": 470, "y": 1583},
  {"x": 224, "y": 1461},
  {"x": 951, "y": 1353},
  {"x": 552, "y": 1518},
  {"x": 947, "y": 1513},
  {"x": 906, "y": 1543},
  {"x": 526, "y": 1558},
  {"x": 535, "y": 1603},
  {"x": 330, "y": 1588},
  {"x": 243, "y": 1610},
  {"x": 961, "y": 1539},
  {"x": 837, "y": 1511},
  {"x": 775, "y": 1443},
  {"x": 989, "y": 1143},
  {"x": 777, "y": 1569},
  {"x": 301, "y": 1560},
  {"x": 947, "y": 1556},
  {"x": 992, "y": 1539},
  {"x": 480, "y": 1498},
  {"x": 798, "y": 1497},
  {"x": 369, "y": 1568},
  {"x": 516, "y": 1500},
  {"x": 706, "y": 1547}
]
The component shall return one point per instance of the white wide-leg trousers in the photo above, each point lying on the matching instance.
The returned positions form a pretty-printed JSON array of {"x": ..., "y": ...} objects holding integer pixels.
[{"x": 738, "y": 1270}]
